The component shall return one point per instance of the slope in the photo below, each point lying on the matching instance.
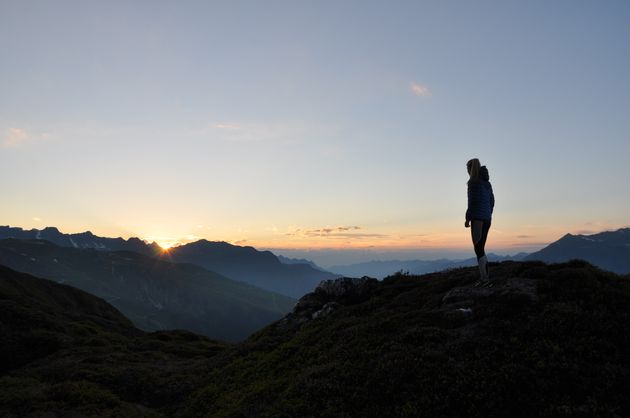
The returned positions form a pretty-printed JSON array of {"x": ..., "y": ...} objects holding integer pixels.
[
  {"x": 154, "y": 294},
  {"x": 546, "y": 341},
  {"x": 64, "y": 352},
  {"x": 259, "y": 268}
]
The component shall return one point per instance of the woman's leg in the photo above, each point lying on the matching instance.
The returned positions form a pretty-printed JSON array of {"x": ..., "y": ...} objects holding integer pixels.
[
  {"x": 485, "y": 228},
  {"x": 476, "y": 231},
  {"x": 479, "y": 231},
  {"x": 482, "y": 244}
]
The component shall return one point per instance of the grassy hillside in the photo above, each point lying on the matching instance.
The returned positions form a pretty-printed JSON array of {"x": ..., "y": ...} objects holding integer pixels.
[
  {"x": 544, "y": 341},
  {"x": 64, "y": 352}
]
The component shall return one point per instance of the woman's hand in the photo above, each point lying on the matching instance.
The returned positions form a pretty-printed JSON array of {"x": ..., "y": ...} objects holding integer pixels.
[{"x": 467, "y": 223}]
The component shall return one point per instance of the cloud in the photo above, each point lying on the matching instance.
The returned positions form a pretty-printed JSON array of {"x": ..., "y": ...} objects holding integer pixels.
[
  {"x": 36, "y": 219},
  {"x": 339, "y": 232},
  {"x": 234, "y": 132},
  {"x": 272, "y": 228},
  {"x": 523, "y": 236},
  {"x": 323, "y": 231},
  {"x": 227, "y": 126},
  {"x": 14, "y": 137},
  {"x": 419, "y": 90},
  {"x": 533, "y": 245},
  {"x": 282, "y": 132}
]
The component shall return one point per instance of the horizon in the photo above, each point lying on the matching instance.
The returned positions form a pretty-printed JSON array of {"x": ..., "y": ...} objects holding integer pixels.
[
  {"x": 326, "y": 129},
  {"x": 330, "y": 257}
]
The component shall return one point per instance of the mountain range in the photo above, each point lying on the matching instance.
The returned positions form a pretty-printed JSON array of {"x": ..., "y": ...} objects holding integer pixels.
[
  {"x": 609, "y": 250},
  {"x": 259, "y": 268},
  {"x": 384, "y": 268},
  {"x": 81, "y": 240},
  {"x": 154, "y": 293},
  {"x": 546, "y": 340},
  {"x": 287, "y": 260}
]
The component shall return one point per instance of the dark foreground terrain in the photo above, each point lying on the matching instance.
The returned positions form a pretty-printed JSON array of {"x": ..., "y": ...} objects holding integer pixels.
[{"x": 546, "y": 340}]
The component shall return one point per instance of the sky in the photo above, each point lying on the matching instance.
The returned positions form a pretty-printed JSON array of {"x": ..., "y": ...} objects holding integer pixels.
[{"x": 311, "y": 128}]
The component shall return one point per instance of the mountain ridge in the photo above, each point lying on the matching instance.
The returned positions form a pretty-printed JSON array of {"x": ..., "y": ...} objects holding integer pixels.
[
  {"x": 609, "y": 250},
  {"x": 154, "y": 294},
  {"x": 243, "y": 263},
  {"x": 383, "y": 268}
]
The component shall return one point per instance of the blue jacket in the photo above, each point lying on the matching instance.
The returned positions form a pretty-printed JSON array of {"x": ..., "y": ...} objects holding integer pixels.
[{"x": 480, "y": 198}]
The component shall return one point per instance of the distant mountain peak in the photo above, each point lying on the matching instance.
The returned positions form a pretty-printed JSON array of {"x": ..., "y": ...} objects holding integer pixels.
[
  {"x": 243, "y": 263},
  {"x": 609, "y": 250}
]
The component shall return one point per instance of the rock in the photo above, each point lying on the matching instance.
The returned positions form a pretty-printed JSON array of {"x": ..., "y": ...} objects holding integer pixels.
[
  {"x": 345, "y": 286},
  {"x": 327, "y": 297},
  {"x": 326, "y": 309}
]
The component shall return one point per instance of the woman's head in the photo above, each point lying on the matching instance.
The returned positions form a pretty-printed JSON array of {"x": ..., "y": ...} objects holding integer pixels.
[{"x": 473, "y": 167}]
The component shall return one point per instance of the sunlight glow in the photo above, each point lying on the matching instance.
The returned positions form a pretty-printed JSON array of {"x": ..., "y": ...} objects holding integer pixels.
[{"x": 165, "y": 243}]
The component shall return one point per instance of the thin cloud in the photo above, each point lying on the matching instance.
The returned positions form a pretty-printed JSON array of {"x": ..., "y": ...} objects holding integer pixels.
[
  {"x": 419, "y": 90},
  {"x": 323, "y": 231},
  {"x": 234, "y": 132},
  {"x": 14, "y": 137},
  {"x": 227, "y": 126},
  {"x": 529, "y": 245},
  {"x": 339, "y": 232},
  {"x": 283, "y": 132}
]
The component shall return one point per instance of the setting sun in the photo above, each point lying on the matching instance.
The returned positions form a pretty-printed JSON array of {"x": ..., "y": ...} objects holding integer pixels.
[{"x": 165, "y": 243}]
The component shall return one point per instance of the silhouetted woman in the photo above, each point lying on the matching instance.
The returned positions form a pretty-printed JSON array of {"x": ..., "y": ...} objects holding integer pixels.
[{"x": 479, "y": 214}]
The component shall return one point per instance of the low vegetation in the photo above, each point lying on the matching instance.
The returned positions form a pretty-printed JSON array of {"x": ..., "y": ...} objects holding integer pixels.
[{"x": 546, "y": 340}]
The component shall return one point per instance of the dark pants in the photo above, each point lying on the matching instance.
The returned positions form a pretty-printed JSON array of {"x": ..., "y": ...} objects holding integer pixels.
[{"x": 479, "y": 231}]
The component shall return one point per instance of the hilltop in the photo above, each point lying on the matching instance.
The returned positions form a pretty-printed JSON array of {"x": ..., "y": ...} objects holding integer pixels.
[{"x": 546, "y": 340}]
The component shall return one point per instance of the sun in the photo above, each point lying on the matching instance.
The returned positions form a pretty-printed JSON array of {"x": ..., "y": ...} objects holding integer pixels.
[{"x": 166, "y": 243}]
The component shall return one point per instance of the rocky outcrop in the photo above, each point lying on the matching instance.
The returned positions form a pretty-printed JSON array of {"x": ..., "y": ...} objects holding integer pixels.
[{"x": 327, "y": 297}]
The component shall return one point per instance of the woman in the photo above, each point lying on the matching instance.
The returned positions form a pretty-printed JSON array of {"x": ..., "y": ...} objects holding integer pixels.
[{"x": 479, "y": 214}]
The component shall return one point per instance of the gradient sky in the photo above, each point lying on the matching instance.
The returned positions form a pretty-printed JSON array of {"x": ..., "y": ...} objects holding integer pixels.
[{"x": 342, "y": 125}]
